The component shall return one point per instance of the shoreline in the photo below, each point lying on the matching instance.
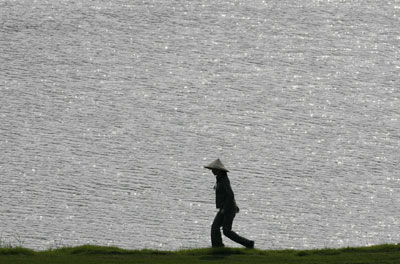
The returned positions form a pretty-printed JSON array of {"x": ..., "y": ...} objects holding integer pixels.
[{"x": 386, "y": 253}]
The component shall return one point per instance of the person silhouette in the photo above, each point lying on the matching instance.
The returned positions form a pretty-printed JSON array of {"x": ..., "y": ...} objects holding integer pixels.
[{"x": 225, "y": 202}]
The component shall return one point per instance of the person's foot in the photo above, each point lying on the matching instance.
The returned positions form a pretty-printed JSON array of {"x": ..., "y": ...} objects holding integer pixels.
[{"x": 250, "y": 245}]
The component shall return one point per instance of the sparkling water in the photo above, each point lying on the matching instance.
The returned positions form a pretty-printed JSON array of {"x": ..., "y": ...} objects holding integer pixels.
[{"x": 110, "y": 109}]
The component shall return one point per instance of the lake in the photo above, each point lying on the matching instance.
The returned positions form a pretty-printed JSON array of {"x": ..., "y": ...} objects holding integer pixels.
[{"x": 110, "y": 109}]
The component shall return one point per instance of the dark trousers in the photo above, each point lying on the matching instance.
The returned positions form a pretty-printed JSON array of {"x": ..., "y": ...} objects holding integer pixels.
[{"x": 225, "y": 221}]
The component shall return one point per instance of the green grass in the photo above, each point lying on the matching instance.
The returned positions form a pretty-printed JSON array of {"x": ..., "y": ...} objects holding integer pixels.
[{"x": 101, "y": 255}]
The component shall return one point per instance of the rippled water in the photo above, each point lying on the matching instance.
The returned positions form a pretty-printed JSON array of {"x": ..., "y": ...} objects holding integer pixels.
[{"x": 110, "y": 109}]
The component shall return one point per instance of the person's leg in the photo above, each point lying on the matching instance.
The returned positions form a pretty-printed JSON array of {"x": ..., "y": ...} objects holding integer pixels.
[
  {"x": 227, "y": 229},
  {"x": 216, "y": 239}
]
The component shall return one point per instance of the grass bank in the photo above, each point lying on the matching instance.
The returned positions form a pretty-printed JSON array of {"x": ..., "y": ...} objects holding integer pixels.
[{"x": 104, "y": 255}]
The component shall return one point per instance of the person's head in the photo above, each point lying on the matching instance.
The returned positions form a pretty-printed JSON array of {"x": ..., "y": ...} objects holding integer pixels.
[{"x": 219, "y": 173}]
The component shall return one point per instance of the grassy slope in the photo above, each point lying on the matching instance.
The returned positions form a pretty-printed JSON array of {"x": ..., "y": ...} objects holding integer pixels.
[{"x": 95, "y": 254}]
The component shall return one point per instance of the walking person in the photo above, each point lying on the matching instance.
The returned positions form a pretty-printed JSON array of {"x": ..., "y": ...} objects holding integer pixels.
[{"x": 225, "y": 202}]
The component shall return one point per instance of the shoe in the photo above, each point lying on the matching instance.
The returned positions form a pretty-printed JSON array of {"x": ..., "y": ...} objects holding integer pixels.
[{"x": 251, "y": 245}]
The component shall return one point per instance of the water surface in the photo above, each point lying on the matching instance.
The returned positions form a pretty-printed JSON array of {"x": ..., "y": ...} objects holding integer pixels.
[{"x": 110, "y": 109}]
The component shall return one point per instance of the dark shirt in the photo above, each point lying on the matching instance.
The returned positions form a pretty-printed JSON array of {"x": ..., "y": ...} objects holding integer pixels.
[{"x": 224, "y": 197}]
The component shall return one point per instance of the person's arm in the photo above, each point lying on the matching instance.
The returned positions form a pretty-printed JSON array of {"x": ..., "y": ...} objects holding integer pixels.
[{"x": 229, "y": 201}]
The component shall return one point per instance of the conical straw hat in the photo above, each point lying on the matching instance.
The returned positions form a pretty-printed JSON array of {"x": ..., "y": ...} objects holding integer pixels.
[{"x": 216, "y": 165}]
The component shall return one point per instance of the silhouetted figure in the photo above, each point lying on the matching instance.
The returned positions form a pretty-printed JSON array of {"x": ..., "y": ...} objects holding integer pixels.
[{"x": 225, "y": 202}]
